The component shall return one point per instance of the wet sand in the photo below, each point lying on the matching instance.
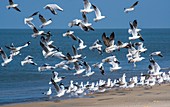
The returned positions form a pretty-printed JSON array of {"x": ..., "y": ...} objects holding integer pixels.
[{"x": 157, "y": 96}]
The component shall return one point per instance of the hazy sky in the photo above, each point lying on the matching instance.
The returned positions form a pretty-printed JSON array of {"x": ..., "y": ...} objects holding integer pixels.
[{"x": 149, "y": 13}]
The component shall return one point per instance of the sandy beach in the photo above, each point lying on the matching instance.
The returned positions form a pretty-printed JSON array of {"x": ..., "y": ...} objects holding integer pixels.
[{"x": 157, "y": 96}]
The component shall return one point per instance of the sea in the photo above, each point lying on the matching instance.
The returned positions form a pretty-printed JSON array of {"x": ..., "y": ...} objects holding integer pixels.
[{"x": 20, "y": 84}]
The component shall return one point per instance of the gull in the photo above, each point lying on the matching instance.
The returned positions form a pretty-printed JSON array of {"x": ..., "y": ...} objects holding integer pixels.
[
  {"x": 131, "y": 8},
  {"x": 16, "y": 50},
  {"x": 63, "y": 65},
  {"x": 122, "y": 82},
  {"x": 96, "y": 45},
  {"x": 12, "y": 5},
  {"x": 52, "y": 8},
  {"x": 30, "y": 18},
  {"x": 87, "y": 7},
  {"x": 115, "y": 66},
  {"x": 44, "y": 21},
  {"x": 70, "y": 59},
  {"x": 134, "y": 31},
  {"x": 74, "y": 22},
  {"x": 45, "y": 67},
  {"x": 100, "y": 66},
  {"x": 5, "y": 58},
  {"x": 109, "y": 42},
  {"x": 35, "y": 30},
  {"x": 121, "y": 45},
  {"x": 28, "y": 60},
  {"x": 46, "y": 51},
  {"x": 70, "y": 34},
  {"x": 55, "y": 77},
  {"x": 135, "y": 58},
  {"x": 157, "y": 53},
  {"x": 86, "y": 23},
  {"x": 97, "y": 13},
  {"x": 110, "y": 59},
  {"x": 89, "y": 72},
  {"x": 81, "y": 44},
  {"x": 140, "y": 47},
  {"x": 155, "y": 66},
  {"x": 78, "y": 69},
  {"x": 84, "y": 27},
  {"x": 49, "y": 92},
  {"x": 59, "y": 89},
  {"x": 76, "y": 55}
]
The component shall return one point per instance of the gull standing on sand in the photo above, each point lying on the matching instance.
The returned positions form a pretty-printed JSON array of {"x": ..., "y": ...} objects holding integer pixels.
[
  {"x": 5, "y": 58},
  {"x": 49, "y": 92},
  {"x": 52, "y": 8},
  {"x": 12, "y": 5},
  {"x": 44, "y": 21},
  {"x": 98, "y": 14},
  {"x": 131, "y": 8},
  {"x": 87, "y": 7},
  {"x": 28, "y": 60}
]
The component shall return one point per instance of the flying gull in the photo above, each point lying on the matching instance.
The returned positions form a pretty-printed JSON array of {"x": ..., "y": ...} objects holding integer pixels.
[
  {"x": 131, "y": 8},
  {"x": 12, "y": 5},
  {"x": 52, "y": 8}
]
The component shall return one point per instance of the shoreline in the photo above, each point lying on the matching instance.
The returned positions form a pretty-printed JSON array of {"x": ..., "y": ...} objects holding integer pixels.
[{"x": 157, "y": 96}]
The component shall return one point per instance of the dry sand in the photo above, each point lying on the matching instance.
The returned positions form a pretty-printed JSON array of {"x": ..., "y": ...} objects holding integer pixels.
[{"x": 158, "y": 96}]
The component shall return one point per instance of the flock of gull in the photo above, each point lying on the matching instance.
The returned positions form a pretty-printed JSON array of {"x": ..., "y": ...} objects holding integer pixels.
[{"x": 80, "y": 66}]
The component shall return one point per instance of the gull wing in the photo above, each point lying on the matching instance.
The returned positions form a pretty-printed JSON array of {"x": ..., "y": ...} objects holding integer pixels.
[
  {"x": 97, "y": 11},
  {"x": 42, "y": 19},
  {"x": 35, "y": 13},
  {"x": 44, "y": 47},
  {"x": 135, "y": 23},
  {"x": 16, "y": 8},
  {"x": 105, "y": 39},
  {"x": 134, "y": 4},
  {"x": 3, "y": 54},
  {"x": 74, "y": 50}
]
